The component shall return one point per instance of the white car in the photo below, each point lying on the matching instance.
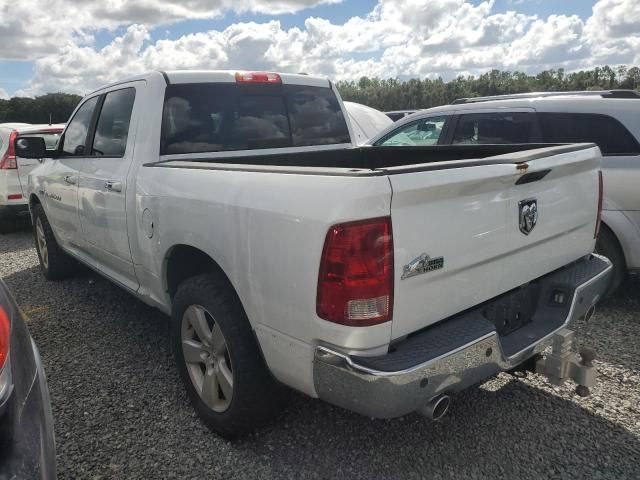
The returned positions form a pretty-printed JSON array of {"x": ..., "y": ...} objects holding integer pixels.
[
  {"x": 365, "y": 121},
  {"x": 380, "y": 280},
  {"x": 14, "y": 171},
  {"x": 608, "y": 118}
]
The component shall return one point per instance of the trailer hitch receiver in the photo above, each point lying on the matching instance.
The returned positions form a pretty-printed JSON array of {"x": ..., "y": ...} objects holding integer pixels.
[{"x": 562, "y": 363}]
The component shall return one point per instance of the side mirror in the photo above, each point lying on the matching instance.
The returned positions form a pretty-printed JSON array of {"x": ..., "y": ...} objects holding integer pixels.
[{"x": 30, "y": 147}]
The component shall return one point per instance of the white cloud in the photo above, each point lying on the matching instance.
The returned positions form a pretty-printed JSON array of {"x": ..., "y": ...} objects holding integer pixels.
[
  {"x": 552, "y": 42},
  {"x": 424, "y": 38},
  {"x": 3, "y": 94},
  {"x": 613, "y": 31},
  {"x": 31, "y": 28}
]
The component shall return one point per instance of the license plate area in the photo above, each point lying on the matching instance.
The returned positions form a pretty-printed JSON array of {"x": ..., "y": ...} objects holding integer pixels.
[{"x": 514, "y": 309}]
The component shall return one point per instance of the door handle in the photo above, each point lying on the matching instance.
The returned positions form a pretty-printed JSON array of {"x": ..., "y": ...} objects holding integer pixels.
[
  {"x": 113, "y": 185},
  {"x": 71, "y": 179}
]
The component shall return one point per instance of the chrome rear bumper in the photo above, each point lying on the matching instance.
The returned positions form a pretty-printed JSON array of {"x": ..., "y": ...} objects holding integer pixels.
[{"x": 455, "y": 353}]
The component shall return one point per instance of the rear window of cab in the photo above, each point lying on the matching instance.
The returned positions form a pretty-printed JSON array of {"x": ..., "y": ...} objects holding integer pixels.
[{"x": 218, "y": 117}]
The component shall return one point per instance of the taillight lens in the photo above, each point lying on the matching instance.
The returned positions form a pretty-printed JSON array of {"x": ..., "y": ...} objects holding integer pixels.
[
  {"x": 258, "y": 77},
  {"x": 4, "y": 336},
  {"x": 355, "y": 282},
  {"x": 8, "y": 160},
  {"x": 600, "y": 195}
]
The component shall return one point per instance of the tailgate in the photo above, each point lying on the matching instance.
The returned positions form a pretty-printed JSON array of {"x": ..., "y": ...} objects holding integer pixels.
[{"x": 457, "y": 231}]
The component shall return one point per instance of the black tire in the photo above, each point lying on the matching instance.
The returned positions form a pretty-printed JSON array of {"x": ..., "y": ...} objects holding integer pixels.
[
  {"x": 55, "y": 263},
  {"x": 607, "y": 245},
  {"x": 256, "y": 396}
]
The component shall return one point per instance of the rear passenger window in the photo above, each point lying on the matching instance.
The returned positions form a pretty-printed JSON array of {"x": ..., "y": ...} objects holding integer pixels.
[
  {"x": 608, "y": 133},
  {"x": 495, "y": 128},
  {"x": 112, "y": 129},
  {"x": 225, "y": 117}
]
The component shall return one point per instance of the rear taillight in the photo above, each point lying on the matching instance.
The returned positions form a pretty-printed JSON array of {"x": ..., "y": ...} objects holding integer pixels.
[
  {"x": 8, "y": 160},
  {"x": 600, "y": 195},
  {"x": 258, "y": 77},
  {"x": 4, "y": 336},
  {"x": 355, "y": 283}
]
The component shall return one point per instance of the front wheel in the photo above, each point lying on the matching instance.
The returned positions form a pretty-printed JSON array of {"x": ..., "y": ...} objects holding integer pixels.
[
  {"x": 219, "y": 359},
  {"x": 54, "y": 262}
]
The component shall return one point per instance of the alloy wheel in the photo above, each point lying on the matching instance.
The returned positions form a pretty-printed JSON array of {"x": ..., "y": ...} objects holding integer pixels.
[{"x": 206, "y": 356}]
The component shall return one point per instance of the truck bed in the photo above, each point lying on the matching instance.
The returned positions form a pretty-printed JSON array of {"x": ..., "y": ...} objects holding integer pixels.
[{"x": 372, "y": 160}]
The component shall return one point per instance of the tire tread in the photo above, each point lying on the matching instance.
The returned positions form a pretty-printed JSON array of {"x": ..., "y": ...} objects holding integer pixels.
[
  {"x": 257, "y": 397},
  {"x": 61, "y": 265},
  {"x": 607, "y": 245}
]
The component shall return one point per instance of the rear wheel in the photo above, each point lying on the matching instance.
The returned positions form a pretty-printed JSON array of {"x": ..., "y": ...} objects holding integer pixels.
[
  {"x": 54, "y": 262},
  {"x": 219, "y": 359},
  {"x": 607, "y": 245}
]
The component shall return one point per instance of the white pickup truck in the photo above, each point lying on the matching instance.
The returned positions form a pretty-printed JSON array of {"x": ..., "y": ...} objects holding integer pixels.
[{"x": 378, "y": 279}]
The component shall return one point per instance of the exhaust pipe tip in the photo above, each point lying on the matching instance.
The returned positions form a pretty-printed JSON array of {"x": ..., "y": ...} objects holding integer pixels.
[{"x": 436, "y": 408}]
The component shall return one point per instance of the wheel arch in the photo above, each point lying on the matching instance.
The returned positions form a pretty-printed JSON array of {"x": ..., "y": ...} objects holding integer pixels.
[
  {"x": 622, "y": 231},
  {"x": 615, "y": 237},
  {"x": 33, "y": 201},
  {"x": 183, "y": 261}
]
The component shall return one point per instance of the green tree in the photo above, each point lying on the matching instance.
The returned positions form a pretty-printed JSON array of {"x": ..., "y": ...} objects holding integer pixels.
[
  {"x": 54, "y": 107},
  {"x": 394, "y": 94}
]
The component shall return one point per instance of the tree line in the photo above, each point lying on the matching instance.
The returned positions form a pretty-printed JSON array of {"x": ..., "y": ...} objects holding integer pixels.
[
  {"x": 387, "y": 94},
  {"x": 394, "y": 94},
  {"x": 53, "y": 107}
]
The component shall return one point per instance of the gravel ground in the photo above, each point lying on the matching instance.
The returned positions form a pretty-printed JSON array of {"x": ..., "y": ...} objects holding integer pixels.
[{"x": 121, "y": 412}]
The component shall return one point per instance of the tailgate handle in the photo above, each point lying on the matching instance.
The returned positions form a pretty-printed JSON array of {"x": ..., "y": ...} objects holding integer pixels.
[{"x": 532, "y": 177}]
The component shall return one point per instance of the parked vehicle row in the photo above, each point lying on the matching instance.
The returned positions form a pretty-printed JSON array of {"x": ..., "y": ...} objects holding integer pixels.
[
  {"x": 14, "y": 170},
  {"x": 238, "y": 203},
  {"x": 365, "y": 121},
  {"x": 606, "y": 118}
]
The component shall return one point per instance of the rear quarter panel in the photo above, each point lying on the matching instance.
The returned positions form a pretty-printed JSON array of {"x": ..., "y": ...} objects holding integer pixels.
[{"x": 266, "y": 231}]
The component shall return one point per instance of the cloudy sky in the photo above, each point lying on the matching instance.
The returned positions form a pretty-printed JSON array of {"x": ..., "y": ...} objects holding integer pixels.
[{"x": 76, "y": 45}]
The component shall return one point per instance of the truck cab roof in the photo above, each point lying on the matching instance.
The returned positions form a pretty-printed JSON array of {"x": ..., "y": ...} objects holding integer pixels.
[{"x": 219, "y": 76}]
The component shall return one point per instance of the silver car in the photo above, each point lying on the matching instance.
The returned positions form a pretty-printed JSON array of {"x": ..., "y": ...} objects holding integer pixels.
[{"x": 610, "y": 119}]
